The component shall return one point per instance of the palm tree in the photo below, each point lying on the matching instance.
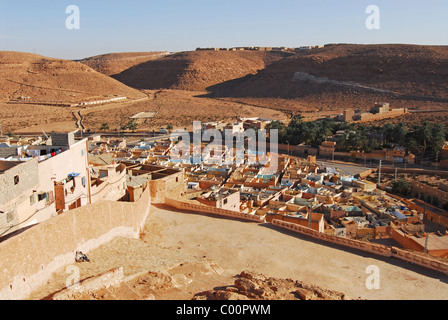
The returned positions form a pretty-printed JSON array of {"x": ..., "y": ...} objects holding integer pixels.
[{"x": 104, "y": 126}]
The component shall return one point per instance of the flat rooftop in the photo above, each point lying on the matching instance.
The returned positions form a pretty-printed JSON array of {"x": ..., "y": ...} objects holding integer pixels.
[{"x": 6, "y": 165}]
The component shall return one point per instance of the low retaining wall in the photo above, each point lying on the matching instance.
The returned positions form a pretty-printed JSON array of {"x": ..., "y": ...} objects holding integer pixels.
[
  {"x": 441, "y": 173},
  {"x": 377, "y": 249},
  {"x": 351, "y": 243},
  {"x": 216, "y": 211},
  {"x": 420, "y": 260},
  {"x": 29, "y": 259}
]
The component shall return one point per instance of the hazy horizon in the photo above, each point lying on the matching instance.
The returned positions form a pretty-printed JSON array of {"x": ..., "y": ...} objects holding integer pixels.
[{"x": 174, "y": 25}]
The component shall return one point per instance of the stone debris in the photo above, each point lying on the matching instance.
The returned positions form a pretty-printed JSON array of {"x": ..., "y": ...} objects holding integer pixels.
[{"x": 253, "y": 286}]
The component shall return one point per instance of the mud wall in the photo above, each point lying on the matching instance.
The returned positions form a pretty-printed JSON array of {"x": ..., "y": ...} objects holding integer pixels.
[
  {"x": 29, "y": 260},
  {"x": 424, "y": 261},
  {"x": 213, "y": 210}
]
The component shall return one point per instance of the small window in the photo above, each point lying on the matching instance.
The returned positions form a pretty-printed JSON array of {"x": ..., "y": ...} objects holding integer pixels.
[
  {"x": 10, "y": 216},
  {"x": 225, "y": 201},
  {"x": 32, "y": 199},
  {"x": 83, "y": 181},
  {"x": 42, "y": 196},
  {"x": 16, "y": 180}
]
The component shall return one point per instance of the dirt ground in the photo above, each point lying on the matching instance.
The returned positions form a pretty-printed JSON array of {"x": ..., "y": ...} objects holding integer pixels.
[
  {"x": 175, "y": 107},
  {"x": 179, "y": 243}
]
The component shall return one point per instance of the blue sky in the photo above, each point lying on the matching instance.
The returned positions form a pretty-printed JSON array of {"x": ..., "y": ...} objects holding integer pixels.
[{"x": 177, "y": 25}]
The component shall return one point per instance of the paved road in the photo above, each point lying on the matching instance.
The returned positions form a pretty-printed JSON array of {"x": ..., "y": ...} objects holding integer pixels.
[{"x": 345, "y": 169}]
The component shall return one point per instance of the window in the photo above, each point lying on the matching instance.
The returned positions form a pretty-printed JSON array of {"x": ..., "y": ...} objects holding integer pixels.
[
  {"x": 225, "y": 201},
  {"x": 42, "y": 196},
  {"x": 10, "y": 216},
  {"x": 83, "y": 181},
  {"x": 32, "y": 199},
  {"x": 16, "y": 180}
]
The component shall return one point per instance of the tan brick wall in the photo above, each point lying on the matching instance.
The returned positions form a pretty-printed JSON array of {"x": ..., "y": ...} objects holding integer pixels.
[
  {"x": 213, "y": 210},
  {"x": 377, "y": 249},
  {"x": 29, "y": 259}
]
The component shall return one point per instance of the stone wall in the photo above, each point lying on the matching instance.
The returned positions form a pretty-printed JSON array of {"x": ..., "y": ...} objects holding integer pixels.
[
  {"x": 171, "y": 186},
  {"x": 113, "y": 188},
  {"x": 28, "y": 177},
  {"x": 381, "y": 250},
  {"x": 29, "y": 260},
  {"x": 212, "y": 210},
  {"x": 351, "y": 243}
]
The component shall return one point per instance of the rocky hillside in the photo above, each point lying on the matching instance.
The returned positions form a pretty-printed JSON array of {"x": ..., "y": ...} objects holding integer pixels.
[
  {"x": 115, "y": 63},
  {"x": 48, "y": 79},
  {"x": 197, "y": 70},
  {"x": 347, "y": 75}
]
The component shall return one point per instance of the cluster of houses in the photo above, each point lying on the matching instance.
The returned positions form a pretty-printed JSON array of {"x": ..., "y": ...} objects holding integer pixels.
[
  {"x": 44, "y": 177},
  {"x": 321, "y": 198},
  {"x": 287, "y": 49},
  {"x": 380, "y": 111}
]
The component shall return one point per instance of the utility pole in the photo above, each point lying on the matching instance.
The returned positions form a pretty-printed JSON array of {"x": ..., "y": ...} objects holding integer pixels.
[
  {"x": 437, "y": 160},
  {"x": 379, "y": 173},
  {"x": 311, "y": 215},
  {"x": 426, "y": 229}
]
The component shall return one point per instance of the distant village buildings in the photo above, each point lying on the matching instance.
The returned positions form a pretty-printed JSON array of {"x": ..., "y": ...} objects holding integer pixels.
[
  {"x": 380, "y": 111},
  {"x": 45, "y": 177},
  {"x": 283, "y": 49}
]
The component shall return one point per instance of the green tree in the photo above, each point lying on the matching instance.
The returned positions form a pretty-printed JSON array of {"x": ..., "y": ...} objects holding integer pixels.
[
  {"x": 401, "y": 186},
  {"x": 104, "y": 126},
  {"x": 282, "y": 130},
  {"x": 438, "y": 138},
  {"x": 400, "y": 133}
]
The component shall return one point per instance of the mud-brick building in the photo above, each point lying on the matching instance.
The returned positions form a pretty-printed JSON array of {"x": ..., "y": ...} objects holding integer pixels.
[
  {"x": 18, "y": 183},
  {"x": 47, "y": 180},
  {"x": 163, "y": 182}
]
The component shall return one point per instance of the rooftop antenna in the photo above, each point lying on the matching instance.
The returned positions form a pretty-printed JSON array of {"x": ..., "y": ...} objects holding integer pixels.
[{"x": 45, "y": 134}]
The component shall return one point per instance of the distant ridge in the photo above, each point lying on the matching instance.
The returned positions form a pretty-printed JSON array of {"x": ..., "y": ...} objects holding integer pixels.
[
  {"x": 115, "y": 63},
  {"x": 48, "y": 79},
  {"x": 197, "y": 70}
]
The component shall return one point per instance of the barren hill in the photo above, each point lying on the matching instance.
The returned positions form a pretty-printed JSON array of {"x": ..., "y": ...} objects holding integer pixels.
[
  {"x": 349, "y": 76},
  {"x": 115, "y": 63},
  {"x": 48, "y": 79},
  {"x": 195, "y": 71}
]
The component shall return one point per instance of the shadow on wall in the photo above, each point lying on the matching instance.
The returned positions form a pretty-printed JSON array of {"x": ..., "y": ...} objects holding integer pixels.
[{"x": 29, "y": 259}]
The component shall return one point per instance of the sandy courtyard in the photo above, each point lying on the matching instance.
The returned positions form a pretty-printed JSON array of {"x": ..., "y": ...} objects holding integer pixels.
[
  {"x": 176, "y": 242},
  {"x": 237, "y": 246}
]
